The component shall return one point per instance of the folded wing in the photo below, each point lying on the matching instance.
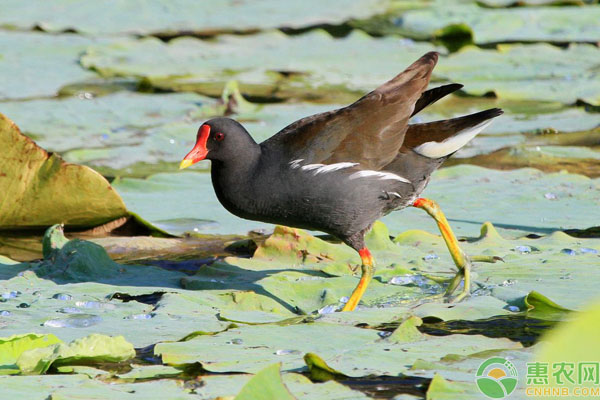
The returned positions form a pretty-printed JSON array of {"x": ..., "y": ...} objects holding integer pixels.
[{"x": 370, "y": 131}]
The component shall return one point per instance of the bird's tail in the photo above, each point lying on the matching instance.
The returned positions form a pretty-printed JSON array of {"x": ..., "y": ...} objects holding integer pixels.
[{"x": 441, "y": 139}]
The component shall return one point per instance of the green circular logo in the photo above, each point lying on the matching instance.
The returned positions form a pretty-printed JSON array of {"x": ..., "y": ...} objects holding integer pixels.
[{"x": 496, "y": 378}]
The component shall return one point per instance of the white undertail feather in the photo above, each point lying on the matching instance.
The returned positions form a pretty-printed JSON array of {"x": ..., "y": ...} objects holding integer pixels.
[{"x": 451, "y": 144}]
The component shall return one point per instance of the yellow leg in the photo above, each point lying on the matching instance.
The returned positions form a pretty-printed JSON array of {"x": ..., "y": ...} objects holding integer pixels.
[
  {"x": 462, "y": 261},
  {"x": 368, "y": 269}
]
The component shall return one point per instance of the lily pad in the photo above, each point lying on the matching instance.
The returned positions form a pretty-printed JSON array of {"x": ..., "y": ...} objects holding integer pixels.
[
  {"x": 40, "y": 189},
  {"x": 263, "y": 345},
  {"x": 41, "y": 64},
  {"x": 522, "y": 71},
  {"x": 574, "y": 159},
  {"x": 518, "y": 24},
  {"x": 13, "y": 347},
  {"x": 75, "y": 298},
  {"x": 166, "y": 17},
  {"x": 119, "y": 119},
  {"x": 266, "y": 383},
  {"x": 93, "y": 348},
  {"x": 298, "y": 68}
]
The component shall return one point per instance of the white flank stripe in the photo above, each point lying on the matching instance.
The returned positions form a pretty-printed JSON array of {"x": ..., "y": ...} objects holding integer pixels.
[
  {"x": 296, "y": 163},
  {"x": 310, "y": 167},
  {"x": 321, "y": 168},
  {"x": 451, "y": 144},
  {"x": 334, "y": 167},
  {"x": 378, "y": 174}
]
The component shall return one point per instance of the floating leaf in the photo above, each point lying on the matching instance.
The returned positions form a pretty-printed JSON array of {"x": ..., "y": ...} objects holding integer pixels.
[
  {"x": 13, "y": 347},
  {"x": 298, "y": 67},
  {"x": 118, "y": 119},
  {"x": 319, "y": 370},
  {"x": 447, "y": 20},
  {"x": 576, "y": 160},
  {"x": 441, "y": 389},
  {"x": 40, "y": 64},
  {"x": 364, "y": 352},
  {"x": 166, "y": 17},
  {"x": 539, "y": 306},
  {"x": 266, "y": 384},
  {"x": 93, "y": 348},
  {"x": 407, "y": 331},
  {"x": 522, "y": 72},
  {"x": 40, "y": 189}
]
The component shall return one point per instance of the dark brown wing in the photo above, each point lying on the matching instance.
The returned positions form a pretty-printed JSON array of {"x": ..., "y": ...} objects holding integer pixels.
[{"x": 369, "y": 131}]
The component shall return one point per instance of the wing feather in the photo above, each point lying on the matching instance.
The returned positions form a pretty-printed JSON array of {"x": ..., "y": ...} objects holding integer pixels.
[{"x": 369, "y": 132}]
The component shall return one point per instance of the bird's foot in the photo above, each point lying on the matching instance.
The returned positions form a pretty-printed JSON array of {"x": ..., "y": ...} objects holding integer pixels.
[
  {"x": 462, "y": 261},
  {"x": 464, "y": 274}
]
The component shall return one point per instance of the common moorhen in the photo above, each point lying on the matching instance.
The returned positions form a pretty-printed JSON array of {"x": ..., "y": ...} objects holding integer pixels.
[{"x": 339, "y": 171}]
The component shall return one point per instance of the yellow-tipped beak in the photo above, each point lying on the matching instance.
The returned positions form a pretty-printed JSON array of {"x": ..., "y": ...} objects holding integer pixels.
[{"x": 185, "y": 164}]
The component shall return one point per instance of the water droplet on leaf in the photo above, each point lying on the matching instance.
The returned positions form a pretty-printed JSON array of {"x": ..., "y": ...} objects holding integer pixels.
[
  {"x": 570, "y": 252},
  {"x": 523, "y": 249},
  {"x": 74, "y": 321},
  {"x": 328, "y": 309},
  {"x": 287, "y": 352},
  {"x": 587, "y": 250},
  {"x": 62, "y": 296}
]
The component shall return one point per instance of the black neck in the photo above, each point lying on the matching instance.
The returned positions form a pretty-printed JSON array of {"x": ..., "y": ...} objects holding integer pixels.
[{"x": 230, "y": 179}]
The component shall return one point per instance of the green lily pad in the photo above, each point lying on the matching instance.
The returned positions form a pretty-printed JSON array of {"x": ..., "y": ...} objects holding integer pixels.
[
  {"x": 224, "y": 385},
  {"x": 486, "y": 25},
  {"x": 574, "y": 159},
  {"x": 69, "y": 294},
  {"x": 407, "y": 331},
  {"x": 355, "y": 352},
  {"x": 319, "y": 370},
  {"x": 298, "y": 68},
  {"x": 440, "y": 389},
  {"x": 13, "y": 347},
  {"x": 40, "y": 64},
  {"x": 119, "y": 119},
  {"x": 93, "y": 348},
  {"x": 539, "y": 305},
  {"x": 154, "y": 389},
  {"x": 45, "y": 190},
  {"x": 167, "y": 17},
  {"x": 265, "y": 384},
  {"x": 38, "y": 385},
  {"x": 142, "y": 372},
  {"x": 522, "y": 72}
]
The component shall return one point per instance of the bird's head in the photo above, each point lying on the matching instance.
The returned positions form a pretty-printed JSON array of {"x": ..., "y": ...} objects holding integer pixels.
[{"x": 218, "y": 139}]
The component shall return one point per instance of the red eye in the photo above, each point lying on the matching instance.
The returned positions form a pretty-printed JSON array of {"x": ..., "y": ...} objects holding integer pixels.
[{"x": 219, "y": 136}]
